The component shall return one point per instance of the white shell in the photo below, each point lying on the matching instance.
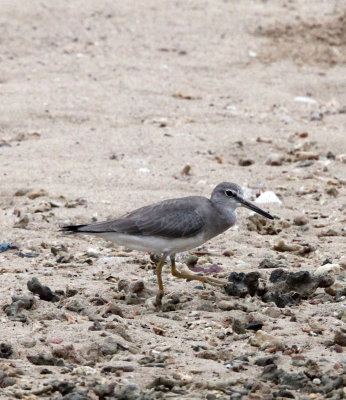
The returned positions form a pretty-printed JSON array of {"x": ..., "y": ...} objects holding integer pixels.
[
  {"x": 268, "y": 197},
  {"x": 307, "y": 100}
]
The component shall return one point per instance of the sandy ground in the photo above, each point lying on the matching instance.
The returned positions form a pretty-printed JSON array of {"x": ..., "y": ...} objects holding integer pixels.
[{"x": 103, "y": 104}]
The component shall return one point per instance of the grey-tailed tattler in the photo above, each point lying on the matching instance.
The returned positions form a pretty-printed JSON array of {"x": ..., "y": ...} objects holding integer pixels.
[{"x": 173, "y": 226}]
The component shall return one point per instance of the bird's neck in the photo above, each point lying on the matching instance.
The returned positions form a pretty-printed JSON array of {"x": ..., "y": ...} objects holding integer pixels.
[{"x": 228, "y": 214}]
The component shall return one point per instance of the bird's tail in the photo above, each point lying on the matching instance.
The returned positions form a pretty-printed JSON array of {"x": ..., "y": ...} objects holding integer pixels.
[{"x": 69, "y": 229}]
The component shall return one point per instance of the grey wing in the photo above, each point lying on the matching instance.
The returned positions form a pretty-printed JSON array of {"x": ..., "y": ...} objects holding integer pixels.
[{"x": 170, "y": 218}]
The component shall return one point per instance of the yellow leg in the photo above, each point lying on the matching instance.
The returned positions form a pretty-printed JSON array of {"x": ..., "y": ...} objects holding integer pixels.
[
  {"x": 186, "y": 275},
  {"x": 159, "y": 274}
]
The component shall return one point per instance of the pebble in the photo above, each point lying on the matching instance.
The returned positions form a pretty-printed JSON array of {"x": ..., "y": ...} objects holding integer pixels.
[
  {"x": 38, "y": 193},
  {"x": 22, "y": 223},
  {"x": 282, "y": 246},
  {"x": 19, "y": 303},
  {"x": 273, "y": 312},
  {"x": 6, "y": 380},
  {"x": 221, "y": 384},
  {"x": 263, "y": 340},
  {"x": 44, "y": 292},
  {"x": 43, "y": 206},
  {"x": 241, "y": 284},
  {"x": 131, "y": 391},
  {"x": 104, "y": 390},
  {"x": 225, "y": 305},
  {"x": 255, "y": 325},
  {"x": 341, "y": 158},
  {"x": 246, "y": 162},
  {"x": 77, "y": 395},
  {"x": 6, "y": 350},
  {"x": 111, "y": 346},
  {"x": 93, "y": 253},
  {"x": 63, "y": 387},
  {"x": 305, "y": 155},
  {"x": 115, "y": 368},
  {"x": 238, "y": 326},
  {"x": 316, "y": 116},
  {"x": 84, "y": 370},
  {"x": 114, "y": 309},
  {"x": 340, "y": 337},
  {"x": 191, "y": 260},
  {"x": 300, "y": 220},
  {"x": 281, "y": 377},
  {"x": 263, "y": 361},
  {"x": 334, "y": 269},
  {"x": 273, "y": 263},
  {"x": 275, "y": 159},
  {"x": 44, "y": 359},
  {"x": 290, "y": 287}
]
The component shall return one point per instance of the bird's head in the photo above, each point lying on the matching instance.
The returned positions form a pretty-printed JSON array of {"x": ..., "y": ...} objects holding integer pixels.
[{"x": 231, "y": 196}]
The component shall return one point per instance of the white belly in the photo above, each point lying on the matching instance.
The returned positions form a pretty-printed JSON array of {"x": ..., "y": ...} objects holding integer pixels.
[{"x": 154, "y": 244}]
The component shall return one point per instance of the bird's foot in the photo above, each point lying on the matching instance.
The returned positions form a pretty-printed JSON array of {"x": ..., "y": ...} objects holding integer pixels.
[
  {"x": 158, "y": 299},
  {"x": 193, "y": 277}
]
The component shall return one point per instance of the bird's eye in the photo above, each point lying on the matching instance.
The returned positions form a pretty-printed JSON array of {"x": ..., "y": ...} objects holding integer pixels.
[{"x": 229, "y": 193}]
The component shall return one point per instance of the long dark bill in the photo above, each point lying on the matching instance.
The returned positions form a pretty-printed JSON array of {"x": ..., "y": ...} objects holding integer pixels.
[{"x": 256, "y": 209}]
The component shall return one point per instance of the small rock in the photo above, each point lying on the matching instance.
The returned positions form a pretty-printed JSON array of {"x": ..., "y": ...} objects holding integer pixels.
[
  {"x": 77, "y": 395},
  {"x": 316, "y": 116},
  {"x": 334, "y": 269},
  {"x": 186, "y": 170},
  {"x": 84, "y": 370},
  {"x": 242, "y": 284},
  {"x": 290, "y": 287},
  {"x": 5, "y": 350},
  {"x": 263, "y": 340},
  {"x": 283, "y": 394},
  {"x": 93, "y": 253},
  {"x": 43, "y": 206},
  {"x": 131, "y": 391},
  {"x": 191, "y": 260},
  {"x": 43, "y": 359},
  {"x": 340, "y": 337},
  {"x": 22, "y": 223},
  {"x": 104, "y": 390},
  {"x": 38, "y": 193},
  {"x": 332, "y": 191},
  {"x": 305, "y": 155},
  {"x": 273, "y": 263},
  {"x": 238, "y": 326},
  {"x": 245, "y": 162},
  {"x": 115, "y": 368},
  {"x": 263, "y": 361},
  {"x": 75, "y": 306},
  {"x": 275, "y": 159},
  {"x": 114, "y": 309},
  {"x": 254, "y": 325},
  {"x": 281, "y": 377},
  {"x": 63, "y": 387},
  {"x": 282, "y": 246},
  {"x": 137, "y": 287},
  {"x": 44, "y": 292},
  {"x": 111, "y": 346},
  {"x": 21, "y": 192},
  {"x": 6, "y": 380},
  {"x": 273, "y": 312},
  {"x": 225, "y": 305},
  {"x": 300, "y": 220},
  {"x": 329, "y": 232}
]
